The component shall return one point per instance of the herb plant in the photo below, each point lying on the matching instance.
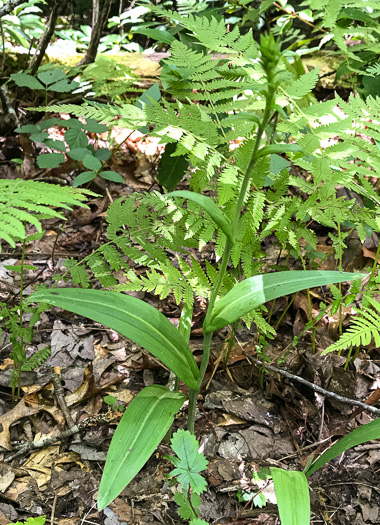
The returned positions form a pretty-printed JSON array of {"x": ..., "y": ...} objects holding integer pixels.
[
  {"x": 258, "y": 94},
  {"x": 24, "y": 203},
  {"x": 188, "y": 463},
  {"x": 77, "y": 145},
  {"x": 151, "y": 413}
]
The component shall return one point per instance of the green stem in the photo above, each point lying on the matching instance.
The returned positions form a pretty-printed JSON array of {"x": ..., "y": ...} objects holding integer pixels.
[
  {"x": 16, "y": 380},
  {"x": 227, "y": 255}
]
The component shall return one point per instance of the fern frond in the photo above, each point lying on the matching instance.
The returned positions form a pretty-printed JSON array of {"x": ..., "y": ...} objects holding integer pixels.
[
  {"x": 363, "y": 328},
  {"x": 77, "y": 273},
  {"x": 36, "y": 360},
  {"x": 24, "y": 202}
]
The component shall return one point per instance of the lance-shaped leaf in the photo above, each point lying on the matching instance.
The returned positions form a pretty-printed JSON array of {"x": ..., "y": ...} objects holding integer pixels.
[
  {"x": 292, "y": 493},
  {"x": 210, "y": 207},
  {"x": 278, "y": 148},
  {"x": 142, "y": 427},
  {"x": 255, "y": 291},
  {"x": 132, "y": 318},
  {"x": 360, "y": 435}
]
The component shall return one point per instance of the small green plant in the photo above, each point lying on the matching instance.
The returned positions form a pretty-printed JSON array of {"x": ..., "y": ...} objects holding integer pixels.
[
  {"x": 39, "y": 520},
  {"x": 151, "y": 413},
  {"x": 188, "y": 463},
  {"x": 255, "y": 93},
  {"x": 113, "y": 403},
  {"x": 22, "y": 25},
  {"x": 76, "y": 145},
  {"x": 24, "y": 203},
  {"x": 257, "y": 498}
]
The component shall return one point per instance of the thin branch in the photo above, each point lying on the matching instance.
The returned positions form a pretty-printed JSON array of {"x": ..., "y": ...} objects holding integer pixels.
[
  {"x": 9, "y": 6},
  {"x": 60, "y": 395},
  {"x": 23, "y": 448},
  {"x": 316, "y": 388}
]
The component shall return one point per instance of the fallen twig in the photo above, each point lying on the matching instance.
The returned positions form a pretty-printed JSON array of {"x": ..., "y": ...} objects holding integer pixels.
[
  {"x": 316, "y": 388},
  {"x": 50, "y": 440}
]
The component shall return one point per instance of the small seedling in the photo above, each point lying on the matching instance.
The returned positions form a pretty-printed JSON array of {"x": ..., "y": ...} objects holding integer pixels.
[
  {"x": 188, "y": 463},
  {"x": 113, "y": 403},
  {"x": 39, "y": 520}
]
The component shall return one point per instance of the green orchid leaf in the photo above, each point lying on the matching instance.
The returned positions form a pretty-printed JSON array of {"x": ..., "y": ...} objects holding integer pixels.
[
  {"x": 292, "y": 493},
  {"x": 257, "y": 290},
  {"x": 134, "y": 319},
  {"x": 366, "y": 432},
  {"x": 142, "y": 427},
  {"x": 210, "y": 207}
]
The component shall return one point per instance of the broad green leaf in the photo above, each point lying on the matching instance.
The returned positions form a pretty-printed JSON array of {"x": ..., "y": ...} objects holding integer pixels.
[
  {"x": 157, "y": 34},
  {"x": 55, "y": 144},
  {"x": 189, "y": 461},
  {"x": 366, "y": 432},
  {"x": 142, "y": 427},
  {"x": 134, "y": 319},
  {"x": 51, "y": 76},
  {"x": 84, "y": 177},
  {"x": 210, "y": 207},
  {"x": 63, "y": 86},
  {"x": 78, "y": 153},
  {"x": 72, "y": 123},
  {"x": 172, "y": 169},
  {"x": 50, "y": 160},
  {"x": 292, "y": 493},
  {"x": 113, "y": 176},
  {"x": 39, "y": 137},
  {"x": 94, "y": 127},
  {"x": 198, "y": 521},
  {"x": 28, "y": 128},
  {"x": 91, "y": 163},
  {"x": 25, "y": 80},
  {"x": 49, "y": 123},
  {"x": 76, "y": 138},
  {"x": 184, "y": 327},
  {"x": 153, "y": 92},
  {"x": 255, "y": 291},
  {"x": 102, "y": 154}
]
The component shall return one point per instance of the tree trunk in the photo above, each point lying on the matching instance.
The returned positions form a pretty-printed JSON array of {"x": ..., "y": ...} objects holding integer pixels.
[
  {"x": 46, "y": 37},
  {"x": 99, "y": 20}
]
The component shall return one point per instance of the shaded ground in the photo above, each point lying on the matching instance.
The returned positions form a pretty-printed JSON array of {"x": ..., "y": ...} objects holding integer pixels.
[{"x": 246, "y": 420}]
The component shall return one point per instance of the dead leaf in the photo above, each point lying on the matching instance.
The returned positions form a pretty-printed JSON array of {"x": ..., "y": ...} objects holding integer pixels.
[{"x": 6, "y": 420}]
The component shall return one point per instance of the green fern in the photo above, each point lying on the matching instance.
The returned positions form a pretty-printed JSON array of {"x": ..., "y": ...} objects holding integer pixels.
[
  {"x": 363, "y": 328},
  {"x": 36, "y": 360},
  {"x": 213, "y": 101},
  {"x": 23, "y": 202}
]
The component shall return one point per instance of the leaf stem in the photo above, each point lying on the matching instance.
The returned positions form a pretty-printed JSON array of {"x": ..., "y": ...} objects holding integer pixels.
[{"x": 227, "y": 253}]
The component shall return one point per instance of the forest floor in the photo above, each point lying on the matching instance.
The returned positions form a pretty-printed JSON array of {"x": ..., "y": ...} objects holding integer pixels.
[{"x": 247, "y": 419}]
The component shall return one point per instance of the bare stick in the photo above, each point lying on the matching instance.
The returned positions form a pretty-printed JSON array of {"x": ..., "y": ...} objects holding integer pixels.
[
  {"x": 9, "y": 6},
  {"x": 60, "y": 395},
  {"x": 316, "y": 388},
  {"x": 50, "y": 440}
]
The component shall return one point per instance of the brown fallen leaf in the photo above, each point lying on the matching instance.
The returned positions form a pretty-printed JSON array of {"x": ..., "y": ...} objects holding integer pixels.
[{"x": 6, "y": 420}]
